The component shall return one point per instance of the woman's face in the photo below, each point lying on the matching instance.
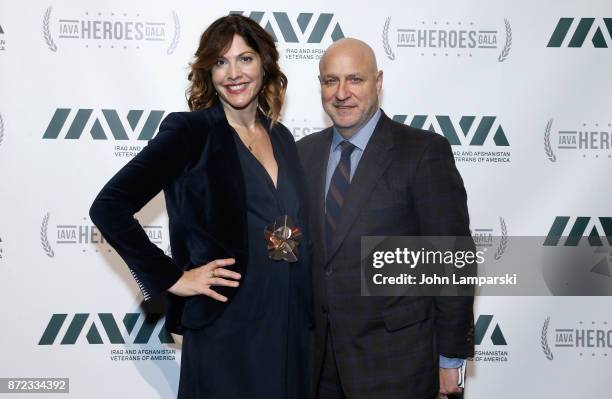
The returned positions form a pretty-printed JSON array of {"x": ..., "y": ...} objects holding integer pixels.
[{"x": 238, "y": 75}]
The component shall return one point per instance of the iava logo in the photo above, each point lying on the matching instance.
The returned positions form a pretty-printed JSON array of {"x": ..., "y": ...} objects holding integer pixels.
[
  {"x": 596, "y": 228},
  {"x": 577, "y": 141},
  {"x": 448, "y": 38},
  {"x": 585, "y": 339},
  {"x": 2, "y": 41},
  {"x": 105, "y": 125},
  {"x": 134, "y": 337},
  {"x": 111, "y": 30},
  {"x": 301, "y": 37},
  {"x": 582, "y": 32},
  {"x": 577, "y": 256},
  {"x": 82, "y": 236},
  {"x": 477, "y": 139},
  {"x": 491, "y": 344}
]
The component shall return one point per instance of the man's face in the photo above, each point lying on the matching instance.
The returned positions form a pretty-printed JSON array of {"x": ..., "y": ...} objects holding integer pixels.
[{"x": 350, "y": 86}]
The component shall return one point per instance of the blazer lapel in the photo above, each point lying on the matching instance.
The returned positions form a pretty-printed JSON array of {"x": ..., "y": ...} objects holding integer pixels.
[
  {"x": 227, "y": 185},
  {"x": 375, "y": 160},
  {"x": 321, "y": 158}
]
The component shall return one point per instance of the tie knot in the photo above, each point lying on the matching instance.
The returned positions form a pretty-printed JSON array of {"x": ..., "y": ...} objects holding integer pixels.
[{"x": 347, "y": 148}]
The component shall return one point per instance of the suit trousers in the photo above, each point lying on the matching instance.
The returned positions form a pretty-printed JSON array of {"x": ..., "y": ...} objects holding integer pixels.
[{"x": 330, "y": 386}]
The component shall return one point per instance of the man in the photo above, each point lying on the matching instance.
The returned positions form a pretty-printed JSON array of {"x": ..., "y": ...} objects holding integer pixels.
[{"x": 368, "y": 175}]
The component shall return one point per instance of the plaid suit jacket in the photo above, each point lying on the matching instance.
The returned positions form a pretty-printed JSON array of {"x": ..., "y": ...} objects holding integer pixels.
[{"x": 406, "y": 183}]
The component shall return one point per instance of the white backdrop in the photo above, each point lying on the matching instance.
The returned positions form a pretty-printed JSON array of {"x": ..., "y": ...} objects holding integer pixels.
[{"x": 84, "y": 84}]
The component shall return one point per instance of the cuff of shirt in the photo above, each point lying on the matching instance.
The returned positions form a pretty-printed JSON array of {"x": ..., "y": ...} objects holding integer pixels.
[{"x": 450, "y": 363}]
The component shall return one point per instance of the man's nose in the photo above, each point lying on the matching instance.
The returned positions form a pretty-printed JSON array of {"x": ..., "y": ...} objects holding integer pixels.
[{"x": 343, "y": 91}]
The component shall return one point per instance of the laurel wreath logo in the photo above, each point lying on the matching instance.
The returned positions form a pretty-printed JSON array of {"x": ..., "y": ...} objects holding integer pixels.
[
  {"x": 47, "y": 32},
  {"x": 506, "y": 50},
  {"x": 544, "y": 340},
  {"x": 1, "y": 129},
  {"x": 547, "y": 147},
  {"x": 503, "y": 243},
  {"x": 385, "y": 39},
  {"x": 43, "y": 236},
  {"x": 177, "y": 34}
]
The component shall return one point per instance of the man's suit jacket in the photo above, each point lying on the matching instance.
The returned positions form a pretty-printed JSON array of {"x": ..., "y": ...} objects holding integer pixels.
[
  {"x": 194, "y": 160},
  {"x": 406, "y": 184}
]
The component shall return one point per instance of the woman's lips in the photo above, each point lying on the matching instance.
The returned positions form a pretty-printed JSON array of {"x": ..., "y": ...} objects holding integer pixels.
[{"x": 236, "y": 88}]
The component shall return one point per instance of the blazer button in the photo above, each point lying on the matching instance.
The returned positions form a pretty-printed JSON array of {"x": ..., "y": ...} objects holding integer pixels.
[{"x": 328, "y": 271}]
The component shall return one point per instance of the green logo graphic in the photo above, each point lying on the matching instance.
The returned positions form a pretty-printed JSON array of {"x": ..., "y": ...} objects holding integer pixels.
[
  {"x": 468, "y": 132},
  {"x": 578, "y": 229},
  {"x": 581, "y": 31},
  {"x": 105, "y": 322},
  {"x": 117, "y": 128},
  {"x": 481, "y": 327},
  {"x": 320, "y": 26}
]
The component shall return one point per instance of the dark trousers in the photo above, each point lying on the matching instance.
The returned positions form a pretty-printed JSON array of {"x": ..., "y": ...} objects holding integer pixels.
[{"x": 330, "y": 386}]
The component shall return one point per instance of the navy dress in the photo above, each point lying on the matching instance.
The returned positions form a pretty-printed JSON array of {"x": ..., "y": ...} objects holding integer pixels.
[{"x": 259, "y": 346}]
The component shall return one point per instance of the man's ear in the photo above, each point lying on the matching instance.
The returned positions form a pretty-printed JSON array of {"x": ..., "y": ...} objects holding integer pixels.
[{"x": 379, "y": 81}]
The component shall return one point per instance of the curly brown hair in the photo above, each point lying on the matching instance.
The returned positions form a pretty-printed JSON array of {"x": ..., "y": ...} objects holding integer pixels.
[{"x": 215, "y": 41}]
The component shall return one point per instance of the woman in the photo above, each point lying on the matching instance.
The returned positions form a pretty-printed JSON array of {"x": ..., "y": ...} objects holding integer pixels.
[{"x": 228, "y": 170}]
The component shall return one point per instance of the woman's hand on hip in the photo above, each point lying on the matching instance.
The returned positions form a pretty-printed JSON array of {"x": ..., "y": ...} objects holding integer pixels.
[{"x": 200, "y": 280}]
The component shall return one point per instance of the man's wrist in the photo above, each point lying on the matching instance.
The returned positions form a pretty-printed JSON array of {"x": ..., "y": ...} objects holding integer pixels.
[{"x": 450, "y": 363}]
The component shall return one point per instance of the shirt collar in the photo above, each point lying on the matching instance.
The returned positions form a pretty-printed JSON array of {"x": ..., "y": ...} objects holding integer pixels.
[{"x": 363, "y": 135}]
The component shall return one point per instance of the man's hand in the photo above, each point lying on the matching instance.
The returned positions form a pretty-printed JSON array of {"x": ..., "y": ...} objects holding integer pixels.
[{"x": 449, "y": 379}]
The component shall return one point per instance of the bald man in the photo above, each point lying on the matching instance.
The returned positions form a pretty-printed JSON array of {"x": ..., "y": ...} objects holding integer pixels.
[{"x": 370, "y": 176}]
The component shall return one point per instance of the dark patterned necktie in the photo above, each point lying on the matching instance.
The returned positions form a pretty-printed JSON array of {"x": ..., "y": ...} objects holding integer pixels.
[{"x": 338, "y": 188}]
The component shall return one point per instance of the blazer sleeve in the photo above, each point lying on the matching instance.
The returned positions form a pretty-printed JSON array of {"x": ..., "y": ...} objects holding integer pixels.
[
  {"x": 441, "y": 203},
  {"x": 164, "y": 158}
]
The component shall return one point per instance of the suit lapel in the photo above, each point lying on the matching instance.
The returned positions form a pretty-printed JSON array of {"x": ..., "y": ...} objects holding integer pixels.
[
  {"x": 319, "y": 172},
  {"x": 374, "y": 161}
]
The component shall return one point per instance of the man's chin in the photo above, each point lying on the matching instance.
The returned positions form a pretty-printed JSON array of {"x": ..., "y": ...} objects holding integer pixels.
[{"x": 343, "y": 123}]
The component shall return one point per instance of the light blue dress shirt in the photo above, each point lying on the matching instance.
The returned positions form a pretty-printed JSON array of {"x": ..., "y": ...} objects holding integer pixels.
[{"x": 360, "y": 141}]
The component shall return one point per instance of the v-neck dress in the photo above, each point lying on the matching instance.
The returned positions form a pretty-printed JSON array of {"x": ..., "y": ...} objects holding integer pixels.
[{"x": 259, "y": 346}]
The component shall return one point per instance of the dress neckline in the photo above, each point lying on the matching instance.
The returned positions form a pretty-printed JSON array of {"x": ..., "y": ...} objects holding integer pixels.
[{"x": 269, "y": 179}]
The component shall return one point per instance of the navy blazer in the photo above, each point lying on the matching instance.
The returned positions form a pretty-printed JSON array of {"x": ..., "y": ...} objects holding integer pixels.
[{"x": 193, "y": 159}]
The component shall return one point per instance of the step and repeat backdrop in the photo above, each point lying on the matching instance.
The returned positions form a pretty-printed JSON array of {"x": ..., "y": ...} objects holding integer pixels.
[{"x": 520, "y": 89}]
